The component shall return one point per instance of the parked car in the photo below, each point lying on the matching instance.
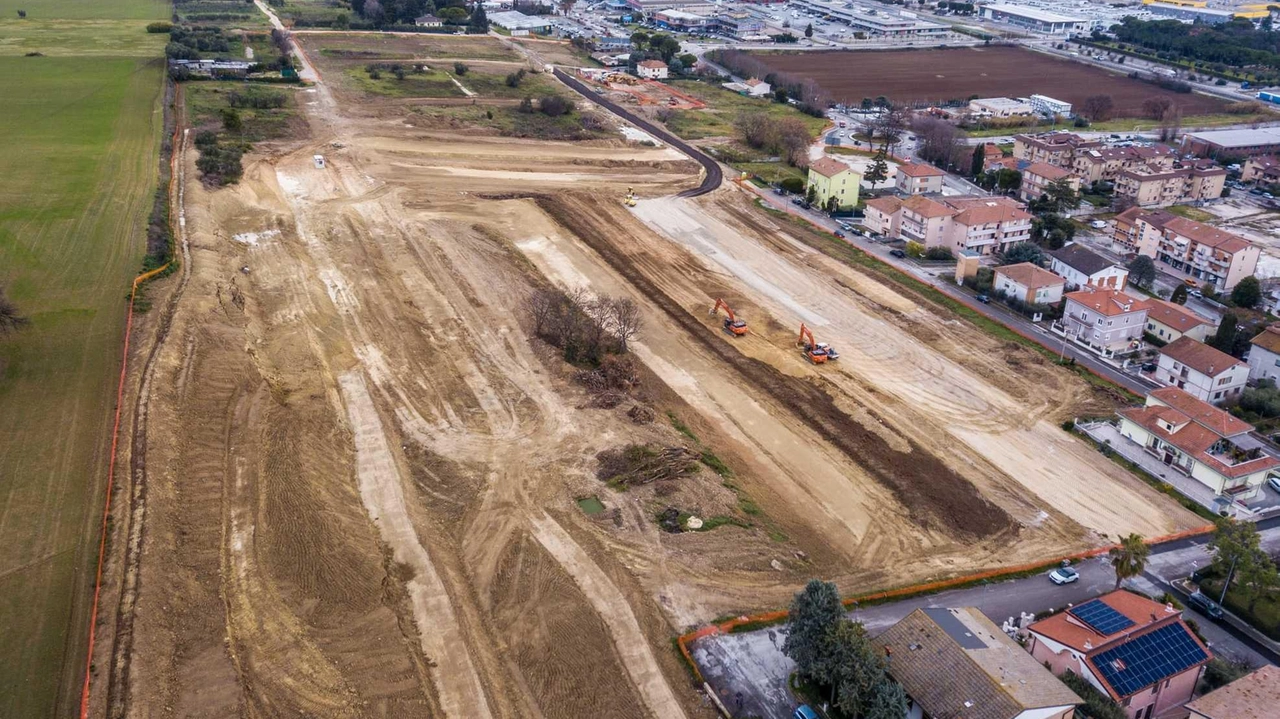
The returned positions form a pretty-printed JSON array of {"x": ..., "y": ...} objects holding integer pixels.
[
  {"x": 1255, "y": 191},
  {"x": 1196, "y": 294},
  {"x": 983, "y": 299},
  {"x": 1149, "y": 367},
  {"x": 804, "y": 712},
  {"x": 797, "y": 200},
  {"x": 1274, "y": 483},
  {"x": 1064, "y": 575},
  {"x": 779, "y": 191},
  {"x": 1206, "y": 605},
  {"x": 898, "y": 253},
  {"x": 839, "y": 234},
  {"x": 1098, "y": 224}
]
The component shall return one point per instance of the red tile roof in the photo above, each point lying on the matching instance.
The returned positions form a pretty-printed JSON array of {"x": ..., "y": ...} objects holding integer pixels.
[
  {"x": 1047, "y": 171},
  {"x": 1268, "y": 339},
  {"x": 1065, "y": 628},
  {"x": 1173, "y": 315},
  {"x": 828, "y": 167},
  {"x": 1199, "y": 356},
  {"x": 920, "y": 169},
  {"x": 925, "y": 207},
  {"x": 1253, "y": 696},
  {"x": 1109, "y": 303},
  {"x": 1219, "y": 421},
  {"x": 887, "y": 204},
  {"x": 652, "y": 63},
  {"x": 1030, "y": 276},
  {"x": 1206, "y": 235}
]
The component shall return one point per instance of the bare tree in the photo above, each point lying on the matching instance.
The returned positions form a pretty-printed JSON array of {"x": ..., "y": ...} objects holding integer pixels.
[
  {"x": 541, "y": 307},
  {"x": 1170, "y": 123},
  {"x": 890, "y": 126},
  {"x": 624, "y": 320},
  {"x": 939, "y": 141},
  {"x": 1097, "y": 108},
  {"x": 1156, "y": 107},
  {"x": 10, "y": 319}
]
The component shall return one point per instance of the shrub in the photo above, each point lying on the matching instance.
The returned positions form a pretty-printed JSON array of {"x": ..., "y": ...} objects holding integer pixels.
[
  {"x": 555, "y": 106},
  {"x": 793, "y": 185},
  {"x": 156, "y": 28},
  {"x": 938, "y": 253},
  {"x": 915, "y": 249},
  {"x": 460, "y": 68},
  {"x": 258, "y": 98},
  {"x": 515, "y": 78}
]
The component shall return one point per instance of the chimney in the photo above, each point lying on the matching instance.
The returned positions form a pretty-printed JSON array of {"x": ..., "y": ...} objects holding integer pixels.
[
  {"x": 1088, "y": 645},
  {"x": 1210, "y": 369},
  {"x": 1168, "y": 608}
]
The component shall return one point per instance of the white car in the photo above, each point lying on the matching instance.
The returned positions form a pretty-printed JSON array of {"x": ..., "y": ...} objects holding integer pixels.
[
  {"x": 1064, "y": 575},
  {"x": 1098, "y": 224},
  {"x": 1274, "y": 483}
]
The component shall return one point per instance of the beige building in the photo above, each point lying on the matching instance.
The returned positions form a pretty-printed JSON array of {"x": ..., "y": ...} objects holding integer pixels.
[
  {"x": 1136, "y": 231},
  {"x": 1204, "y": 372},
  {"x": 882, "y": 215},
  {"x": 1028, "y": 283},
  {"x": 1206, "y": 253},
  {"x": 925, "y": 221},
  {"x": 652, "y": 69},
  {"x": 1106, "y": 163},
  {"x": 1253, "y": 696},
  {"x": 1265, "y": 169},
  {"x": 1052, "y": 148},
  {"x": 1107, "y": 321},
  {"x": 1080, "y": 267},
  {"x": 918, "y": 178},
  {"x": 1039, "y": 175},
  {"x": 1150, "y": 186},
  {"x": 986, "y": 225},
  {"x": 1168, "y": 321}
]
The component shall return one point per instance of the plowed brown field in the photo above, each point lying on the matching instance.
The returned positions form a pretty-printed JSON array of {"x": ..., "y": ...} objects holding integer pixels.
[
  {"x": 937, "y": 76},
  {"x": 362, "y": 470}
]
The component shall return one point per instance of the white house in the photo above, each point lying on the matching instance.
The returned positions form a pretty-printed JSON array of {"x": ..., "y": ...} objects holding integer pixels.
[
  {"x": 917, "y": 178},
  {"x": 1264, "y": 357},
  {"x": 1199, "y": 440},
  {"x": 1205, "y": 373},
  {"x": 652, "y": 69},
  {"x": 1028, "y": 283},
  {"x": 1081, "y": 267},
  {"x": 428, "y": 21},
  {"x": 1106, "y": 321}
]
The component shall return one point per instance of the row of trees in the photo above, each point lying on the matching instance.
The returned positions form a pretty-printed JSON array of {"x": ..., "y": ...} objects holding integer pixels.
[
  {"x": 786, "y": 137},
  {"x": 385, "y": 13},
  {"x": 1235, "y": 44},
  {"x": 810, "y": 98},
  {"x": 585, "y": 327}
]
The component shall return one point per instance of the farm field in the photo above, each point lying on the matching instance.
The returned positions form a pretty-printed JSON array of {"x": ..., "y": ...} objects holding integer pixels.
[
  {"x": 936, "y": 76},
  {"x": 374, "y": 490},
  {"x": 77, "y": 172}
]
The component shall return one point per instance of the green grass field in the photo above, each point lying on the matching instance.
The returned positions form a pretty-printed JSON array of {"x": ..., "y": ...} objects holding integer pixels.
[
  {"x": 723, "y": 108},
  {"x": 77, "y": 171}
]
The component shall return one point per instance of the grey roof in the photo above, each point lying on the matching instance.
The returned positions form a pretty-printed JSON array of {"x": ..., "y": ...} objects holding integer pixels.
[
  {"x": 1079, "y": 258},
  {"x": 957, "y": 663},
  {"x": 1239, "y": 138}
]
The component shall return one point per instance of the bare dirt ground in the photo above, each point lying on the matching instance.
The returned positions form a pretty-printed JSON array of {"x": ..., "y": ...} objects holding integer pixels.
[{"x": 362, "y": 470}]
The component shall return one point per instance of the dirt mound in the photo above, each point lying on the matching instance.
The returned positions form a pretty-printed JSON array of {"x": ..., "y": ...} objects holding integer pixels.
[{"x": 935, "y": 495}]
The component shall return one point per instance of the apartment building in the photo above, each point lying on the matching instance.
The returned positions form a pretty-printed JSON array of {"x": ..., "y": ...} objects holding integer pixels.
[
  {"x": 1106, "y": 163},
  {"x": 918, "y": 178},
  {"x": 1264, "y": 357},
  {"x": 1136, "y": 231},
  {"x": 1265, "y": 169},
  {"x": 1203, "y": 372},
  {"x": 833, "y": 180},
  {"x": 1150, "y": 186},
  {"x": 1037, "y": 177},
  {"x": 1206, "y": 253},
  {"x": 1052, "y": 148},
  {"x": 1167, "y": 321},
  {"x": 986, "y": 225},
  {"x": 1105, "y": 320}
]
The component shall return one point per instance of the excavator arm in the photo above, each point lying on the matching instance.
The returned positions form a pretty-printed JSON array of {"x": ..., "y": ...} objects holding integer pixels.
[{"x": 732, "y": 324}]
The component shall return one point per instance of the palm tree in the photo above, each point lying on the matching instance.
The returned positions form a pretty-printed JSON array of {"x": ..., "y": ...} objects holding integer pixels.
[{"x": 1129, "y": 558}]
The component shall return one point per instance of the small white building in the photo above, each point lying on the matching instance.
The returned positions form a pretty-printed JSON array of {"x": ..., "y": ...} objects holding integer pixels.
[
  {"x": 1081, "y": 267},
  {"x": 428, "y": 21},
  {"x": 1000, "y": 107},
  {"x": 1204, "y": 372},
  {"x": 1264, "y": 357},
  {"x": 652, "y": 69},
  {"x": 1028, "y": 283},
  {"x": 518, "y": 24},
  {"x": 750, "y": 88},
  {"x": 1046, "y": 105},
  {"x": 918, "y": 178}
]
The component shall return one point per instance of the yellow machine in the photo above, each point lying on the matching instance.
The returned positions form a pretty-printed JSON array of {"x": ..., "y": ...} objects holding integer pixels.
[{"x": 630, "y": 199}]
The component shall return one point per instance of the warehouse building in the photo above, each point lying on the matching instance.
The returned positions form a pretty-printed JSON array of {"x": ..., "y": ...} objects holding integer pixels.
[
  {"x": 874, "y": 21},
  {"x": 1189, "y": 13},
  {"x": 1034, "y": 19},
  {"x": 517, "y": 23},
  {"x": 1234, "y": 143}
]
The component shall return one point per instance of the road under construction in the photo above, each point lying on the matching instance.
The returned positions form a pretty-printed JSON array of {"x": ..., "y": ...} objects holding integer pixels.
[{"x": 365, "y": 465}]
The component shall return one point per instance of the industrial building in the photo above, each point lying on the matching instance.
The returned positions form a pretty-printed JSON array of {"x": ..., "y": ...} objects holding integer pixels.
[
  {"x": 1239, "y": 143},
  {"x": 874, "y": 21},
  {"x": 1046, "y": 105},
  {"x": 1036, "y": 20},
  {"x": 517, "y": 23},
  {"x": 1189, "y": 13}
]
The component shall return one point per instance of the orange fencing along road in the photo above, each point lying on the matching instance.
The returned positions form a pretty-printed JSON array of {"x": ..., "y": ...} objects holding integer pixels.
[
  {"x": 115, "y": 429},
  {"x": 686, "y": 640}
]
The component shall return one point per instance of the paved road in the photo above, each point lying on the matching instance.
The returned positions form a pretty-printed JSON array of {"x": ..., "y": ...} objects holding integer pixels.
[{"x": 749, "y": 671}]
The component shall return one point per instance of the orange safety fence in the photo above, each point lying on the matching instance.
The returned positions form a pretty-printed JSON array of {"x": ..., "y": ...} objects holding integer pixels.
[
  {"x": 684, "y": 641},
  {"x": 115, "y": 429}
]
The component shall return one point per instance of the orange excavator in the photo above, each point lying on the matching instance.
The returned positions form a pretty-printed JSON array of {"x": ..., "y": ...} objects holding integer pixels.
[
  {"x": 817, "y": 352},
  {"x": 732, "y": 324}
]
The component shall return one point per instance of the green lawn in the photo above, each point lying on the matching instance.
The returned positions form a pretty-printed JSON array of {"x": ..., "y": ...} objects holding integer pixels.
[
  {"x": 771, "y": 172},
  {"x": 487, "y": 84},
  {"x": 77, "y": 173},
  {"x": 432, "y": 83},
  {"x": 1132, "y": 124},
  {"x": 723, "y": 107},
  {"x": 205, "y": 102},
  {"x": 1192, "y": 213}
]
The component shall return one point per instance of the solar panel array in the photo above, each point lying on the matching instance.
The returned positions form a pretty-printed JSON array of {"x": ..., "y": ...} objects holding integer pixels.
[
  {"x": 1101, "y": 617},
  {"x": 1149, "y": 658}
]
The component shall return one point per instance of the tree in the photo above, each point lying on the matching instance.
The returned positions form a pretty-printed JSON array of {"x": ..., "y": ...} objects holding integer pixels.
[
  {"x": 1234, "y": 543},
  {"x": 639, "y": 39},
  {"x": 938, "y": 141},
  {"x": 888, "y": 701},
  {"x": 479, "y": 22},
  {"x": 1155, "y": 107},
  {"x": 1059, "y": 196},
  {"x": 11, "y": 320},
  {"x": 1022, "y": 252},
  {"x": 1225, "y": 338},
  {"x": 1097, "y": 107},
  {"x": 1052, "y": 231},
  {"x": 1179, "y": 296},
  {"x": 978, "y": 164},
  {"x": 231, "y": 121},
  {"x": 1258, "y": 578},
  {"x": 1129, "y": 558},
  {"x": 1008, "y": 180},
  {"x": 460, "y": 68},
  {"x": 1142, "y": 271},
  {"x": 879, "y": 170},
  {"x": 1247, "y": 293},
  {"x": 566, "y": 5},
  {"x": 808, "y": 30},
  {"x": 815, "y": 612}
]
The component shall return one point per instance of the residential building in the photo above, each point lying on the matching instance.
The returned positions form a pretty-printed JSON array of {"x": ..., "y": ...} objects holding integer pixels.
[
  {"x": 1137, "y": 231},
  {"x": 883, "y": 23},
  {"x": 652, "y": 69},
  {"x": 1035, "y": 19},
  {"x": 428, "y": 21},
  {"x": 1206, "y": 373},
  {"x": 1107, "y": 321},
  {"x": 1206, "y": 253},
  {"x": 1264, "y": 170},
  {"x": 1052, "y": 148},
  {"x": 918, "y": 178},
  {"x": 1168, "y": 321},
  {"x": 1039, "y": 175},
  {"x": 1081, "y": 267},
  {"x": 1232, "y": 143},
  {"x": 1200, "y": 441},
  {"x": 958, "y": 663},
  {"x": 1049, "y": 107},
  {"x": 987, "y": 225},
  {"x": 1150, "y": 186},
  {"x": 517, "y": 23},
  {"x": 1264, "y": 356},
  {"x": 830, "y": 178},
  {"x": 1106, "y": 163},
  {"x": 1255, "y": 695},
  {"x": 1139, "y": 652},
  {"x": 1000, "y": 107},
  {"x": 1028, "y": 283}
]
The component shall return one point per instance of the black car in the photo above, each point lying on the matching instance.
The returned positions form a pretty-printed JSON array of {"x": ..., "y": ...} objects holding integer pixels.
[
  {"x": 898, "y": 253},
  {"x": 797, "y": 200},
  {"x": 983, "y": 299},
  {"x": 1149, "y": 367},
  {"x": 1206, "y": 605}
]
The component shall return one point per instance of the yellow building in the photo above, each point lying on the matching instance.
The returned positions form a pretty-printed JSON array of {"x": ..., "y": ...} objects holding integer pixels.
[{"x": 831, "y": 178}]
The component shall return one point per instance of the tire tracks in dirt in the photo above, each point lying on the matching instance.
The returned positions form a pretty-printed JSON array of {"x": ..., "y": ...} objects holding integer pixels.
[{"x": 122, "y": 649}]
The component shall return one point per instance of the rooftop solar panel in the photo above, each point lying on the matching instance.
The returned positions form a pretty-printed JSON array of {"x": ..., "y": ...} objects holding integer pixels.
[
  {"x": 1149, "y": 658},
  {"x": 1101, "y": 617}
]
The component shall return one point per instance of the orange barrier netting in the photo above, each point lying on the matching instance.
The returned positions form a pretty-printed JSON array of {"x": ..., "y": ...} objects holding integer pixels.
[
  {"x": 115, "y": 430},
  {"x": 684, "y": 641}
]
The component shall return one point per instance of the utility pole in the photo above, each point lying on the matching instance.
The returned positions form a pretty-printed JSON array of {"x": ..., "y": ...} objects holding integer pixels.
[{"x": 1227, "y": 584}]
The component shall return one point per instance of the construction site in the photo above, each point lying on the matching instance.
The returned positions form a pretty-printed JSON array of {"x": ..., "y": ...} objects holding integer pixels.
[{"x": 371, "y": 479}]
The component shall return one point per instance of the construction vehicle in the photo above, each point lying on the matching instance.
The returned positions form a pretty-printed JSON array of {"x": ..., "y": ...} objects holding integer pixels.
[
  {"x": 732, "y": 324},
  {"x": 817, "y": 352},
  {"x": 630, "y": 199}
]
